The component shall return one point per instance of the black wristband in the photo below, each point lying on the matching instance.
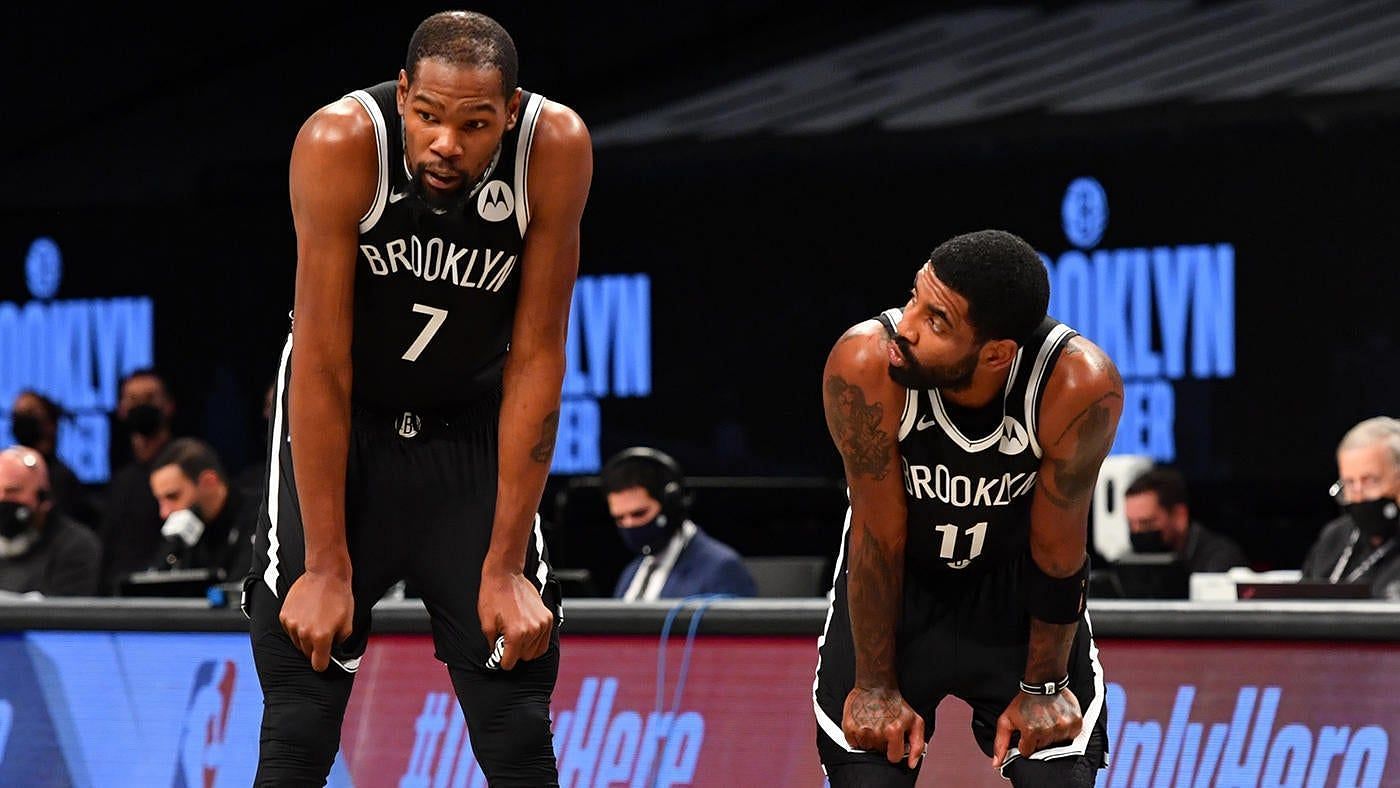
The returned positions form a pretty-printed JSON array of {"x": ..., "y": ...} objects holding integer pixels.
[
  {"x": 1046, "y": 688},
  {"x": 1054, "y": 600}
]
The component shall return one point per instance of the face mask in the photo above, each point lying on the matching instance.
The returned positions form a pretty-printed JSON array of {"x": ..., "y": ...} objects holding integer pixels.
[
  {"x": 15, "y": 519},
  {"x": 27, "y": 429},
  {"x": 1375, "y": 518},
  {"x": 1149, "y": 542},
  {"x": 647, "y": 539},
  {"x": 17, "y": 533},
  {"x": 145, "y": 420}
]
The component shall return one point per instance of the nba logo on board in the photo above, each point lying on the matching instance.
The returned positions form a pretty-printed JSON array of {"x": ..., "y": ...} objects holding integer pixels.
[
  {"x": 205, "y": 727},
  {"x": 495, "y": 202}
]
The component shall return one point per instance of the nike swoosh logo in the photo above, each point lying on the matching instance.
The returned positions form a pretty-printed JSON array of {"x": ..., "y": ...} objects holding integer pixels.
[
  {"x": 925, "y": 423},
  {"x": 396, "y": 196}
]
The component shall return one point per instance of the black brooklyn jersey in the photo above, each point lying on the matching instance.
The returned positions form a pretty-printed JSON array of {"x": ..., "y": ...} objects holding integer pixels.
[
  {"x": 969, "y": 495},
  {"x": 435, "y": 293}
]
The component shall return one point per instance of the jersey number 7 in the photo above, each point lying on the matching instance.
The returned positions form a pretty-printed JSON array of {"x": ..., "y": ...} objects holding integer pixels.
[{"x": 435, "y": 319}]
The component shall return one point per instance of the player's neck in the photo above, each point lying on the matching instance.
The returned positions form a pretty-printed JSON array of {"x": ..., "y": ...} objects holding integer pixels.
[{"x": 986, "y": 387}]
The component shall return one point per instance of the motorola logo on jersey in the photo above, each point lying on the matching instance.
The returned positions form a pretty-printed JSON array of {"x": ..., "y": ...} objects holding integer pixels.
[
  {"x": 1163, "y": 313},
  {"x": 495, "y": 202},
  {"x": 1013, "y": 437},
  {"x": 73, "y": 351}
]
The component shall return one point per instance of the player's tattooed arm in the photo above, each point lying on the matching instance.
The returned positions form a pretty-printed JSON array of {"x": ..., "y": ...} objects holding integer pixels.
[
  {"x": 855, "y": 426},
  {"x": 549, "y": 430},
  {"x": 1083, "y": 401},
  {"x": 873, "y": 594},
  {"x": 863, "y": 407},
  {"x": 1071, "y": 476}
]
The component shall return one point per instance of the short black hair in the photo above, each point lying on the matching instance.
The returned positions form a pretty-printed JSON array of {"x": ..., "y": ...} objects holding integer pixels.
[
  {"x": 194, "y": 457},
  {"x": 626, "y": 471},
  {"x": 465, "y": 39},
  {"x": 144, "y": 372},
  {"x": 52, "y": 410},
  {"x": 1167, "y": 483},
  {"x": 1003, "y": 279}
]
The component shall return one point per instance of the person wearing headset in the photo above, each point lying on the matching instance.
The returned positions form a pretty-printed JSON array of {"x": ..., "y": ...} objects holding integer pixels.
[
  {"x": 674, "y": 558},
  {"x": 41, "y": 551}
]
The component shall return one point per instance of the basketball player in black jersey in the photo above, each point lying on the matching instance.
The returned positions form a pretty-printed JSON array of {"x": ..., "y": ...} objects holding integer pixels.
[
  {"x": 972, "y": 428},
  {"x": 437, "y": 222}
]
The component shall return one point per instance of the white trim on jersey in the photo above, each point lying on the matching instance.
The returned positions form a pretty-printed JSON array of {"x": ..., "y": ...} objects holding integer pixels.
[
  {"x": 274, "y": 468},
  {"x": 1053, "y": 340},
  {"x": 349, "y": 665},
  {"x": 381, "y": 136},
  {"x": 831, "y": 727},
  {"x": 543, "y": 572},
  {"x": 911, "y": 413},
  {"x": 1091, "y": 715},
  {"x": 528, "y": 115},
  {"x": 945, "y": 422}
]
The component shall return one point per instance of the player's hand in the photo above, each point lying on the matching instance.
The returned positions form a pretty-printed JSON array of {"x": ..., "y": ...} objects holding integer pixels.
[
  {"x": 1041, "y": 719},
  {"x": 318, "y": 612},
  {"x": 510, "y": 607},
  {"x": 879, "y": 719}
]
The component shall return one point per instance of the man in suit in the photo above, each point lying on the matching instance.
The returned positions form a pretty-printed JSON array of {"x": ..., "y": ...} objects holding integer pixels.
[{"x": 674, "y": 558}]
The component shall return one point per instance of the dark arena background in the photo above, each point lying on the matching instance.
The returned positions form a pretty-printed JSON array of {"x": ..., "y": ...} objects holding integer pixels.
[{"x": 1212, "y": 187}]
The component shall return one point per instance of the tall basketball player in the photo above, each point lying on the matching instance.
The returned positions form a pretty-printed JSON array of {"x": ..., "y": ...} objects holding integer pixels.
[
  {"x": 972, "y": 428},
  {"x": 437, "y": 222}
]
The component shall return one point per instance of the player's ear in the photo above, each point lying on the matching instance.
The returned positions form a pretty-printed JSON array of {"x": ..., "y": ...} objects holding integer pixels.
[
  {"x": 999, "y": 353},
  {"x": 401, "y": 91},
  {"x": 513, "y": 109}
]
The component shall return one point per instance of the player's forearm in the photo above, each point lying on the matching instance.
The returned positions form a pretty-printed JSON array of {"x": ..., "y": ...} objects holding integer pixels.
[
  {"x": 874, "y": 581},
  {"x": 319, "y": 410},
  {"x": 528, "y": 426},
  {"x": 1060, "y": 557},
  {"x": 1048, "y": 655}
]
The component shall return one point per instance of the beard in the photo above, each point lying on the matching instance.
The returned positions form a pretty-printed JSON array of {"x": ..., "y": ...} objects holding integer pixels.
[
  {"x": 947, "y": 377},
  {"x": 452, "y": 202}
]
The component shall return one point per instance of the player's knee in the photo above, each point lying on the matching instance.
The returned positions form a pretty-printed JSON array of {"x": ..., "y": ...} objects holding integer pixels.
[
  {"x": 520, "y": 754},
  {"x": 298, "y": 743}
]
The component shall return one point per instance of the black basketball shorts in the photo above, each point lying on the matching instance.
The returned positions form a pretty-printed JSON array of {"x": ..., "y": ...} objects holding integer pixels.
[
  {"x": 965, "y": 637},
  {"x": 420, "y": 497}
]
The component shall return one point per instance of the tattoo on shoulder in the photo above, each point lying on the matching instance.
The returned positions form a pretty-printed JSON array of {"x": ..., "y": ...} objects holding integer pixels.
[
  {"x": 855, "y": 426},
  {"x": 549, "y": 430},
  {"x": 1073, "y": 477}
]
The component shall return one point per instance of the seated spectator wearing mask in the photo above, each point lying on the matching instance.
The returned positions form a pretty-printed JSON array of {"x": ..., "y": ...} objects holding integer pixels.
[
  {"x": 1360, "y": 546},
  {"x": 131, "y": 519},
  {"x": 34, "y": 421},
  {"x": 209, "y": 523},
  {"x": 1159, "y": 521},
  {"x": 41, "y": 550},
  {"x": 674, "y": 558}
]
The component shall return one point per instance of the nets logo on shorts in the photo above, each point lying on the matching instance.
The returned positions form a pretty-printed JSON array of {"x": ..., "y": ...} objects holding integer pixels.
[
  {"x": 409, "y": 425},
  {"x": 495, "y": 202}
]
